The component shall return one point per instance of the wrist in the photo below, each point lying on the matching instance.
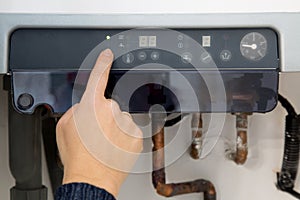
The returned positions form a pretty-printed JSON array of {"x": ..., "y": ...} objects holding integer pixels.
[{"x": 100, "y": 178}]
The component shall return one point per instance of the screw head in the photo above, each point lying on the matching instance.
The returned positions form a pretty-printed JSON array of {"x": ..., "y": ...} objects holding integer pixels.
[{"x": 25, "y": 101}]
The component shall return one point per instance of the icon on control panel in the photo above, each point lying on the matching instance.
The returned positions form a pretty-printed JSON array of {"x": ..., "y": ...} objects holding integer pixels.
[
  {"x": 186, "y": 57},
  {"x": 154, "y": 55},
  {"x": 121, "y": 37},
  {"x": 180, "y": 37},
  {"x": 128, "y": 58},
  {"x": 205, "y": 57},
  {"x": 206, "y": 41},
  {"x": 180, "y": 45},
  {"x": 142, "y": 55},
  {"x": 121, "y": 45},
  {"x": 225, "y": 55}
]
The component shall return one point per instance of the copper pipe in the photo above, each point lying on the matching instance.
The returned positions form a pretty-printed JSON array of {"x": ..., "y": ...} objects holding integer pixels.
[
  {"x": 158, "y": 154},
  {"x": 159, "y": 175},
  {"x": 241, "y": 153},
  {"x": 197, "y": 134}
]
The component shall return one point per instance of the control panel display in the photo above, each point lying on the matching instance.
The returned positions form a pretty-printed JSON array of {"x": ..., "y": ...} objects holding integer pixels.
[{"x": 147, "y": 41}]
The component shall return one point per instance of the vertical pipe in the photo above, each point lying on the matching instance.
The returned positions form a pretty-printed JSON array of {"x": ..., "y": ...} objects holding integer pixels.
[
  {"x": 242, "y": 138},
  {"x": 196, "y": 125},
  {"x": 158, "y": 157},
  {"x": 239, "y": 156},
  {"x": 25, "y": 155}
]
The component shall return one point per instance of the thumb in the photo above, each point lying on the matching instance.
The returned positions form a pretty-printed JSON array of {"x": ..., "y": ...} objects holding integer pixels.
[{"x": 99, "y": 75}]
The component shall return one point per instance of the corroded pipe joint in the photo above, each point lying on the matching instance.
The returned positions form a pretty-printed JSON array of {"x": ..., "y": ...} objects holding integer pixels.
[
  {"x": 242, "y": 120},
  {"x": 196, "y": 148},
  {"x": 165, "y": 190},
  {"x": 158, "y": 177},
  {"x": 242, "y": 148},
  {"x": 211, "y": 193},
  {"x": 197, "y": 133},
  {"x": 242, "y": 138}
]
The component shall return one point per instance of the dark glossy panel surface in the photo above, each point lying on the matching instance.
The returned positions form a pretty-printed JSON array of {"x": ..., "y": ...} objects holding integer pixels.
[{"x": 247, "y": 91}]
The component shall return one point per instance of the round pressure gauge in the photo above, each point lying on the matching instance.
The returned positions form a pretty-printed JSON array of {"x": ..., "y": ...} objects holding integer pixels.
[{"x": 253, "y": 46}]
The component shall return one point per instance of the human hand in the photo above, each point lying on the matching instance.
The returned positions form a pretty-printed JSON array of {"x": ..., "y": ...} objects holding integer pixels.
[{"x": 97, "y": 142}]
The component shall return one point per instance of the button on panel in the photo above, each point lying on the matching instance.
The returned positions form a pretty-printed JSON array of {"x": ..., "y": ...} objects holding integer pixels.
[
  {"x": 205, "y": 57},
  {"x": 225, "y": 55},
  {"x": 186, "y": 57},
  {"x": 142, "y": 55},
  {"x": 155, "y": 55},
  {"x": 128, "y": 58}
]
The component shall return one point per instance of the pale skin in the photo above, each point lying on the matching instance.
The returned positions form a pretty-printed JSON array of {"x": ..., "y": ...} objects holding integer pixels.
[{"x": 94, "y": 110}]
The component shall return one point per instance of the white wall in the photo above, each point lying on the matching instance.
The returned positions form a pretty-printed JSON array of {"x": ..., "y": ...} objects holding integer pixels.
[
  {"x": 143, "y": 6},
  {"x": 256, "y": 179}
]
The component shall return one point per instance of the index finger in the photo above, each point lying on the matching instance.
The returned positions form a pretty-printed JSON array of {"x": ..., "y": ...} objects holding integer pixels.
[{"x": 99, "y": 75}]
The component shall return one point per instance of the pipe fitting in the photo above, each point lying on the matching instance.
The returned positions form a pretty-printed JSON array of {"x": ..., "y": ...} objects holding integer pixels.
[{"x": 197, "y": 133}]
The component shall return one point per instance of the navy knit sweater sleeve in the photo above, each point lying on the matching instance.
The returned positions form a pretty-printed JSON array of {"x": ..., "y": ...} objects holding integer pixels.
[{"x": 81, "y": 191}]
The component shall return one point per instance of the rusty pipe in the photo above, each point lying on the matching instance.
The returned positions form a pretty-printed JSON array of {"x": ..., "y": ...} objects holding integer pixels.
[
  {"x": 196, "y": 125},
  {"x": 158, "y": 154},
  {"x": 159, "y": 175},
  {"x": 197, "y": 186},
  {"x": 241, "y": 153}
]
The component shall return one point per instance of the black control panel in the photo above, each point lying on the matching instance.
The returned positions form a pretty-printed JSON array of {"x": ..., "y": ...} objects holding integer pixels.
[
  {"x": 67, "y": 48},
  {"x": 177, "y": 65}
]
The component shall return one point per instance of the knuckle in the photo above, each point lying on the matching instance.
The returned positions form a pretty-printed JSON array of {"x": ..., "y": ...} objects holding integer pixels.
[{"x": 113, "y": 105}]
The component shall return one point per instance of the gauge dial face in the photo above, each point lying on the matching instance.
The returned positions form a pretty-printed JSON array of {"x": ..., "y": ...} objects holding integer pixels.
[{"x": 254, "y": 46}]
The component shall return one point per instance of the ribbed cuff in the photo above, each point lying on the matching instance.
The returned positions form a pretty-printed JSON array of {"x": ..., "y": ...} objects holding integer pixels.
[{"x": 82, "y": 191}]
